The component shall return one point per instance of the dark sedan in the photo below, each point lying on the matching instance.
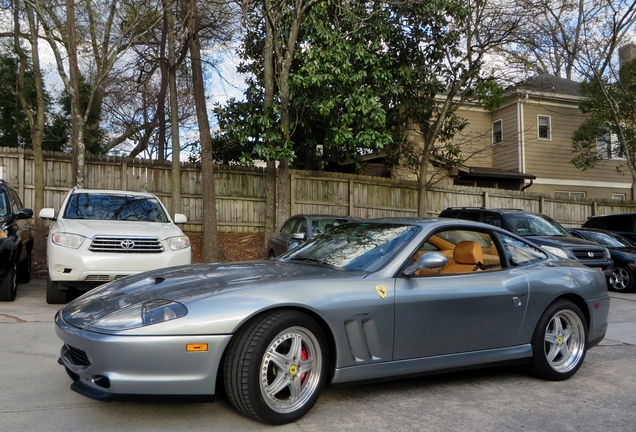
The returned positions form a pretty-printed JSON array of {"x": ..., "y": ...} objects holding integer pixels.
[
  {"x": 622, "y": 251},
  {"x": 300, "y": 228}
]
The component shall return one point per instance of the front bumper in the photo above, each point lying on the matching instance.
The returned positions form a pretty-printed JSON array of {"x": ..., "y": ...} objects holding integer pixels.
[
  {"x": 107, "y": 365},
  {"x": 599, "y": 311}
]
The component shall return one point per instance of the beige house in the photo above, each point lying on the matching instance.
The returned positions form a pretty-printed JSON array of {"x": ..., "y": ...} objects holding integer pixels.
[{"x": 526, "y": 144}]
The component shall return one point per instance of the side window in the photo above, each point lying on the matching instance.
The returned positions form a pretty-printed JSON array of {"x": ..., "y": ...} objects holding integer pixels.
[
  {"x": 519, "y": 252},
  {"x": 16, "y": 204},
  {"x": 466, "y": 251},
  {"x": 497, "y": 132},
  {"x": 288, "y": 228},
  {"x": 621, "y": 223},
  {"x": 493, "y": 219},
  {"x": 301, "y": 227}
]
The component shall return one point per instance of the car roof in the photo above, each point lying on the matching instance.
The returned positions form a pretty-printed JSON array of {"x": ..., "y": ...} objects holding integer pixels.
[
  {"x": 112, "y": 192},
  {"x": 612, "y": 215},
  {"x": 496, "y": 210}
]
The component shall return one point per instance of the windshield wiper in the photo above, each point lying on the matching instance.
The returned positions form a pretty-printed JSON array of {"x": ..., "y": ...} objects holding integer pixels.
[{"x": 310, "y": 260}]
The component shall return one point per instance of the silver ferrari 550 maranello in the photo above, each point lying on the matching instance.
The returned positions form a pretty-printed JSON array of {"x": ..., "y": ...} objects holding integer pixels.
[{"x": 368, "y": 300}]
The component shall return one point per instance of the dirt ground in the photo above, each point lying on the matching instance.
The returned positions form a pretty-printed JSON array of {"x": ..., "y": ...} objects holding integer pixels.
[{"x": 235, "y": 246}]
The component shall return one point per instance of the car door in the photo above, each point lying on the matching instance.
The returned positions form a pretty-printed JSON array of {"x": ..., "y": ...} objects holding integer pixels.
[
  {"x": 439, "y": 314},
  {"x": 281, "y": 237}
]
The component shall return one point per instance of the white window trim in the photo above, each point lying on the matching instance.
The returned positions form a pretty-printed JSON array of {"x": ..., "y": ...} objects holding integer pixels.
[
  {"x": 549, "y": 138},
  {"x": 609, "y": 150},
  {"x": 492, "y": 128},
  {"x": 571, "y": 194},
  {"x": 619, "y": 196}
]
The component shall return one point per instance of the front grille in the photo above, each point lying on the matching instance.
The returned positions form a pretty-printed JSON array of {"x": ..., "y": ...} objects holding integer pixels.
[
  {"x": 589, "y": 254},
  {"x": 103, "y": 278},
  {"x": 76, "y": 356},
  {"x": 126, "y": 244}
]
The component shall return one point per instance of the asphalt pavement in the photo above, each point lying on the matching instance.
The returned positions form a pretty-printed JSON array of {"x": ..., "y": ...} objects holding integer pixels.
[{"x": 35, "y": 393}]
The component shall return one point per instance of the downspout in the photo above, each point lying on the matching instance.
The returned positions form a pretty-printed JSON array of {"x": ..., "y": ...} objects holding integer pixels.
[{"x": 522, "y": 135}]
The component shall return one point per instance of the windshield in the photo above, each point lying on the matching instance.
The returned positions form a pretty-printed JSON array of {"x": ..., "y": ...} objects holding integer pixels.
[
  {"x": 609, "y": 239},
  {"x": 114, "y": 207},
  {"x": 525, "y": 224},
  {"x": 357, "y": 246}
]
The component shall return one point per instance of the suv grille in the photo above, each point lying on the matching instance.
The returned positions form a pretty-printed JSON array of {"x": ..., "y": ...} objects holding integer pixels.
[
  {"x": 126, "y": 244},
  {"x": 589, "y": 254}
]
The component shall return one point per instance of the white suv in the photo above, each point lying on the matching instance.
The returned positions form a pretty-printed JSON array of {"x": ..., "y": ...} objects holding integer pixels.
[{"x": 102, "y": 235}]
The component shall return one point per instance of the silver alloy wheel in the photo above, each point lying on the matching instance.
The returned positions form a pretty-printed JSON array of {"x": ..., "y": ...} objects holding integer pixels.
[
  {"x": 290, "y": 370},
  {"x": 564, "y": 341},
  {"x": 620, "y": 280}
]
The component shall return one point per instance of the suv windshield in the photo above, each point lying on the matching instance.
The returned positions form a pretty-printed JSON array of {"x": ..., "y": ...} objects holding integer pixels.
[
  {"x": 355, "y": 246},
  {"x": 526, "y": 224},
  {"x": 114, "y": 207}
]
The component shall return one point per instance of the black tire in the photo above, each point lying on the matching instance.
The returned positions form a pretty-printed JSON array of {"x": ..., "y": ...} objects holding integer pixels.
[
  {"x": 271, "y": 254},
  {"x": 559, "y": 342},
  {"x": 54, "y": 295},
  {"x": 9, "y": 285},
  {"x": 622, "y": 279},
  {"x": 288, "y": 345},
  {"x": 24, "y": 269}
]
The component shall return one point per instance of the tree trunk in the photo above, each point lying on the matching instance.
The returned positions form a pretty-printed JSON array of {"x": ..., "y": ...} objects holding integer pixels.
[
  {"x": 77, "y": 119},
  {"x": 174, "y": 112},
  {"x": 269, "y": 88},
  {"x": 211, "y": 250}
]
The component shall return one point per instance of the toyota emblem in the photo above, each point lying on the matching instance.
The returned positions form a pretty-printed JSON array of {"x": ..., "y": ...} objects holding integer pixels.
[
  {"x": 127, "y": 244},
  {"x": 590, "y": 254}
]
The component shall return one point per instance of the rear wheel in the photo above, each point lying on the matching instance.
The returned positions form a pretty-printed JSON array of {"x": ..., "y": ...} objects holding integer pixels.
[
  {"x": 24, "y": 269},
  {"x": 622, "y": 279},
  {"x": 559, "y": 342},
  {"x": 53, "y": 293},
  {"x": 9, "y": 285},
  {"x": 276, "y": 367}
]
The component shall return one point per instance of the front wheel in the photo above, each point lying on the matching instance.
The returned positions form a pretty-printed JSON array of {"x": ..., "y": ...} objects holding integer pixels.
[
  {"x": 276, "y": 367},
  {"x": 9, "y": 285},
  {"x": 559, "y": 342},
  {"x": 622, "y": 279}
]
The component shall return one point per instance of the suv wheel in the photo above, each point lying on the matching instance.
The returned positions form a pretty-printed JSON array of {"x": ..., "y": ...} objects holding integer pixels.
[{"x": 53, "y": 293}]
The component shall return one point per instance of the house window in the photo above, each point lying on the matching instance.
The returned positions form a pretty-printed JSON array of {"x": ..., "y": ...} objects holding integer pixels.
[
  {"x": 608, "y": 147},
  {"x": 545, "y": 131},
  {"x": 619, "y": 197},
  {"x": 569, "y": 194},
  {"x": 497, "y": 132}
]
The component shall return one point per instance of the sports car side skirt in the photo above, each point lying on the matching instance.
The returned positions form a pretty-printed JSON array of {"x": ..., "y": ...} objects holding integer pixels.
[{"x": 437, "y": 364}]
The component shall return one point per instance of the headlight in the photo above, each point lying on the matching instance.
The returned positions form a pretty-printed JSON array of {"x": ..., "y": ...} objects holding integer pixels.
[
  {"x": 556, "y": 251},
  {"x": 143, "y": 314},
  {"x": 178, "y": 243},
  {"x": 607, "y": 254},
  {"x": 68, "y": 240}
]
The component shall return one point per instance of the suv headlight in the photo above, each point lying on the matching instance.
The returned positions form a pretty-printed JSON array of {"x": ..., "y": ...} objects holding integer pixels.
[
  {"x": 68, "y": 240},
  {"x": 179, "y": 242},
  {"x": 556, "y": 251},
  {"x": 142, "y": 314}
]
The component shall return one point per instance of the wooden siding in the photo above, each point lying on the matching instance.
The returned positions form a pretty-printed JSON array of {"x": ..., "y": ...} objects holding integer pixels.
[
  {"x": 241, "y": 197},
  {"x": 476, "y": 140},
  {"x": 506, "y": 154}
]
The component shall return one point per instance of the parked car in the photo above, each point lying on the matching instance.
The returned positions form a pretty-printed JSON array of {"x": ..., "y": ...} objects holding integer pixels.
[
  {"x": 622, "y": 223},
  {"x": 367, "y": 300},
  {"x": 16, "y": 242},
  {"x": 300, "y": 228},
  {"x": 622, "y": 251},
  {"x": 101, "y": 235},
  {"x": 541, "y": 230}
]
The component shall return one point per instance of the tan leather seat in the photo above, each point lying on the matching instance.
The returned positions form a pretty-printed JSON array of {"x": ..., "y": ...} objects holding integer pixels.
[{"x": 465, "y": 256}]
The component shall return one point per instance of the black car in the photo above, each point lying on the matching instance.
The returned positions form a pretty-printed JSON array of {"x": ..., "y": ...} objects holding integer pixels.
[
  {"x": 541, "y": 230},
  {"x": 623, "y": 253},
  {"x": 620, "y": 223},
  {"x": 302, "y": 227},
  {"x": 16, "y": 242}
]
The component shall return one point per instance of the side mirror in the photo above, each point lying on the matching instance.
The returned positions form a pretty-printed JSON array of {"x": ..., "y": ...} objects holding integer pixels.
[
  {"x": 24, "y": 213},
  {"x": 299, "y": 236},
  {"x": 428, "y": 261},
  {"x": 295, "y": 240},
  {"x": 47, "y": 213},
  {"x": 180, "y": 218}
]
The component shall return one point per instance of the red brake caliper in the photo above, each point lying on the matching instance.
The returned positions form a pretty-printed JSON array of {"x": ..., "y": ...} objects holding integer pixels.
[{"x": 303, "y": 356}]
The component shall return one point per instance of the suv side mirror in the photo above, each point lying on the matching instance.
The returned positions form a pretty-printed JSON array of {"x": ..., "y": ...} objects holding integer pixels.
[
  {"x": 24, "y": 213},
  {"x": 180, "y": 218},
  {"x": 47, "y": 213}
]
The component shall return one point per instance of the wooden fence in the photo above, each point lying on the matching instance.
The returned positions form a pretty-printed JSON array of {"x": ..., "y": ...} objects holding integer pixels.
[{"x": 240, "y": 191}]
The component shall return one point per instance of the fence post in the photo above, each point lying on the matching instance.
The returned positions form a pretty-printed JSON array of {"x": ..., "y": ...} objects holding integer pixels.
[
  {"x": 124, "y": 174},
  {"x": 351, "y": 209},
  {"x": 541, "y": 204},
  {"x": 21, "y": 173},
  {"x": 486, "y": 200}
]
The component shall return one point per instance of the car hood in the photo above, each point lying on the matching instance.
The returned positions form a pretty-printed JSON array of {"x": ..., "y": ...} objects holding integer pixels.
[
  {"x": 186, "y": 284},
  {"x": 562, "y": 241},
  {"x": 90, "y": 228}
]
